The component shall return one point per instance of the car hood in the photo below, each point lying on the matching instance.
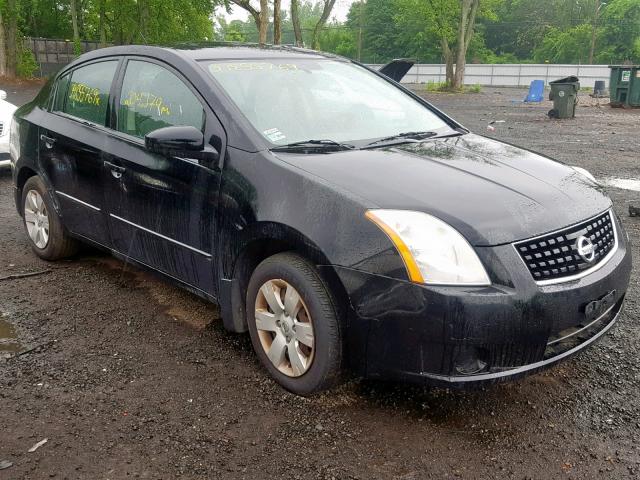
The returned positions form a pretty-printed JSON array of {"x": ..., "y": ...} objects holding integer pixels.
[{"x": 492, "y": 192}]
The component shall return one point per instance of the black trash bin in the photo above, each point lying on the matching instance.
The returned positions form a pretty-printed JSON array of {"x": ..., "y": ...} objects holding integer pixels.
[{"x": 564, "y": 93}]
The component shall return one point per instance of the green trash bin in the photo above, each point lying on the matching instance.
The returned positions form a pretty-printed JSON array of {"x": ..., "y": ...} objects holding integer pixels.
[
  {"x": 624, "y": 85},
  {"x": 564, "y": 93}
]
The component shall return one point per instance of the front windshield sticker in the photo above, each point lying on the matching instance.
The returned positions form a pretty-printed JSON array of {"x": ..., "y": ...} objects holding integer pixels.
[
  {"x": 274, "y": 135},
  {"x": 250, "y": 67}
]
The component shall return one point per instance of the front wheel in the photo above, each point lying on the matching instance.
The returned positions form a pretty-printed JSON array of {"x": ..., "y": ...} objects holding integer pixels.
[{"x": 294, "y": 324}]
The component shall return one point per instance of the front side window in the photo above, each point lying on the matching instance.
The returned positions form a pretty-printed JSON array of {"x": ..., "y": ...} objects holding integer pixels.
[
  {"x": 152, "y": 97},
  {"x": 87, "y": 95},
  {"x": 292, "y": 100}
]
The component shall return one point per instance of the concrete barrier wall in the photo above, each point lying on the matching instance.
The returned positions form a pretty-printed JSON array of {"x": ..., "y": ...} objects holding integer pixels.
[{"x": 509, "y": 75}]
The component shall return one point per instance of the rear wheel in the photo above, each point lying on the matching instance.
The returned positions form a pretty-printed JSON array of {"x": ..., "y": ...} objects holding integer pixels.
[
  {"x": 42, "y": 224},
  {"x": 294, "y": 325}
]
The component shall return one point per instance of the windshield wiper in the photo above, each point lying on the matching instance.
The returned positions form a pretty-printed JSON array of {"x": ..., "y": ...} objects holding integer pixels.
[
  {"x": 314, "y": 146},
  {"x": 406, "y": 136}
]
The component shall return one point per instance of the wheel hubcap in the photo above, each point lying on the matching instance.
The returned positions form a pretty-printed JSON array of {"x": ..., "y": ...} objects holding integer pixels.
[
  {"x": 285, "y": 328},
  {"x": 36, "y": 218}
]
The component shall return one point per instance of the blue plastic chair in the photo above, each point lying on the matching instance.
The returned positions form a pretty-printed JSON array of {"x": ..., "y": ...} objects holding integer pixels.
[{"x": 536, "y": 92}]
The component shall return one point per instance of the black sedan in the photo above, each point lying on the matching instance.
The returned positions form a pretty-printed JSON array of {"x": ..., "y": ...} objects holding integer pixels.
[{"x": 342, "y": 220}]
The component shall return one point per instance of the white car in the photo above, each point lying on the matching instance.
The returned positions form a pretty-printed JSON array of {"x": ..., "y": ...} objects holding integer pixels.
[{"x": 6, "y": 114}]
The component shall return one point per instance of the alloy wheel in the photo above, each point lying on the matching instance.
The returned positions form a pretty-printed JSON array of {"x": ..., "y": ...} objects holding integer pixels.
[
  {"x": 284, "y": 327},
  {"x": 36, "y": 218}
]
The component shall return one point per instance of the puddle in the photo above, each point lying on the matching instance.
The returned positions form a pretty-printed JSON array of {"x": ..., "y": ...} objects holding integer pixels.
[
  {"x": 623, "y": 183},
  {"x": 8, "y": 342}
]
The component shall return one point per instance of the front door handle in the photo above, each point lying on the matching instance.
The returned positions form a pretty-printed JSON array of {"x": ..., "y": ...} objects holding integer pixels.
[
  {"x": 48, "y": 141},
  {"x": 116, "y": 170}
]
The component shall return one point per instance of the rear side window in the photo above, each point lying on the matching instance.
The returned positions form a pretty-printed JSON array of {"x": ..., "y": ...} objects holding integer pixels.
[
  {"x": 87, "y": 95},
  {"x": 152, "y": 97}
]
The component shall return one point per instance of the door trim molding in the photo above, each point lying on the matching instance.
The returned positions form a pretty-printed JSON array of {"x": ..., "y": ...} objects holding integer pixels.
[
  {"x": 66, "y": 195},
  {"x": 208, "y": 255}
]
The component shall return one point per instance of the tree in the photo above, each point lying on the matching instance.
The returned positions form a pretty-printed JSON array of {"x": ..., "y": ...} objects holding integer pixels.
[
  {"x": 3, "y": 50},
  {"x": 74, "y": 23},
  {"x": 451, "y": 24},
  {"x": 295, "y": 20},
  {"x": 327, "y": 7},
  {"x": 261, "y": 17},
  {"x": 10, "y": 15},
  {"x": 277, "y": 22},
  {"x": 468, "y": 12},
  {"x": 102, "y": 22},
  {"x": 620, "y": 32},
  {"x": 565, "y": 46}
]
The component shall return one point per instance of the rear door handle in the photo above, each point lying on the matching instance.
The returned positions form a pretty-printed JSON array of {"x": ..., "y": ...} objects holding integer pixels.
[
  {"x": 48, "y": 141},
  {"x": 116, "y": 170}
]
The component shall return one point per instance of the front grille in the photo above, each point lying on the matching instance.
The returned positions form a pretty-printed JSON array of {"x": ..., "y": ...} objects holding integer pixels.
[
  {"x": 555, "y": 255},
  {"x": 1, "y": 129}
]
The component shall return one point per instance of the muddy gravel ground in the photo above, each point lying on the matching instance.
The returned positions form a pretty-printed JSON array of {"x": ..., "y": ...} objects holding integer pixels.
[{"x": 129, "y": 377}]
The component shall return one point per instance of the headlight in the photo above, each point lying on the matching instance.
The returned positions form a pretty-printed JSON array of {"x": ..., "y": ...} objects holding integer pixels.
[
  {"x": 433, "y": 252},
  {"x": 586, "y": 173}
]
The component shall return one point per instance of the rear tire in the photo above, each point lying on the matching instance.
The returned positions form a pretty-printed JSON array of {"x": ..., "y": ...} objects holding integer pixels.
[
  {"x": 294, "y": 324},
  {"x": 43, "y": 226}
]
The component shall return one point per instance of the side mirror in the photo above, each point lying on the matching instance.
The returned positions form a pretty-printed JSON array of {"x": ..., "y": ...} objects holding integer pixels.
[
  {"x": 182, "y": 141},
  {"x": 3, "y": 95}
]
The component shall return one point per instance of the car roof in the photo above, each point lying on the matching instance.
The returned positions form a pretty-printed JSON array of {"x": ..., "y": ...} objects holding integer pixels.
[{"x": 213, "y": 51}]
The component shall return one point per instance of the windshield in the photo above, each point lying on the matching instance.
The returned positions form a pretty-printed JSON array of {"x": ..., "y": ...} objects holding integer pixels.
[{"x": 291, "y": 101}]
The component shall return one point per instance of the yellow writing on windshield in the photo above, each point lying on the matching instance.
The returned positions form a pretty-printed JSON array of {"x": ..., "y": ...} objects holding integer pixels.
[
  {"x": 82, "y": 93},
  {"x": 146, "y": 101},
  {"x": 250, "y": 67}
]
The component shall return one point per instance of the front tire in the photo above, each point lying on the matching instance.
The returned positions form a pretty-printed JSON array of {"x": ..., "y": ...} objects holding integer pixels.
[
  {"x": 294, "y": 324},
  {"x": 42, "y": 224}
]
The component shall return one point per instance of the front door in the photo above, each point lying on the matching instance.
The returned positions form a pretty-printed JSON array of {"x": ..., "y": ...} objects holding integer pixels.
[
  {"x": 162, "y": 210},
  {"x": 72, "y": 139}
]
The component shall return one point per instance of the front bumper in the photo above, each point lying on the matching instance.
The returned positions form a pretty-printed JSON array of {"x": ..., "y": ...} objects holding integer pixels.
[{"x": 463, "y": 336}]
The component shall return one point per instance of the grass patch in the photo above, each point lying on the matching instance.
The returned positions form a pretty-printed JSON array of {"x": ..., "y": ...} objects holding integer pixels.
[
  {"x": 477, "y": 88},
  {"x": 443, "y": 87},
  {"x": 432, "y": 87}
]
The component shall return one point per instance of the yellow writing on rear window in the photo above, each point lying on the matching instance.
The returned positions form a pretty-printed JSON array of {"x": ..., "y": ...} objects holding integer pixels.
[{"x": 82, "y": 93}]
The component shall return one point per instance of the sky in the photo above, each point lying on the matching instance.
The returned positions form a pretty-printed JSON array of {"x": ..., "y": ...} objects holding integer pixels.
[{"x": 339, "y": 12}]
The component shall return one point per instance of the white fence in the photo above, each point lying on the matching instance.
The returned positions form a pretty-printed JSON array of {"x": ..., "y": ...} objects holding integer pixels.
[{"x": 509, "y": 75}]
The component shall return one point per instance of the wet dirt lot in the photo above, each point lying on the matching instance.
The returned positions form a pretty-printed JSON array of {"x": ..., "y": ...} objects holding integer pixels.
[{"x": 129, "y": 377}]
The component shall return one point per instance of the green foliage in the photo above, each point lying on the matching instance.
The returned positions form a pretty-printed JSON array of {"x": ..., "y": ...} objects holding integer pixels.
[
  {"x": 124, "y": 21},
  {"x": 338, "y": 40},
  {"x": 477, "y": 88},
  {"x": 27, "y": 65},
  {"x": 434, "y": 87},
  {"x": 77, "y": 47},
  {"x": 620, "y": 32},
  {"x": 376, "y": 31},
  {"x": 570, "y": 46}
]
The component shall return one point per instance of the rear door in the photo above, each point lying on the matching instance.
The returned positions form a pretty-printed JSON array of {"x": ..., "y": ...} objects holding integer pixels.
[
  {"x": 72, "y": 140},
  {"x": 162, "y": 210}
]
